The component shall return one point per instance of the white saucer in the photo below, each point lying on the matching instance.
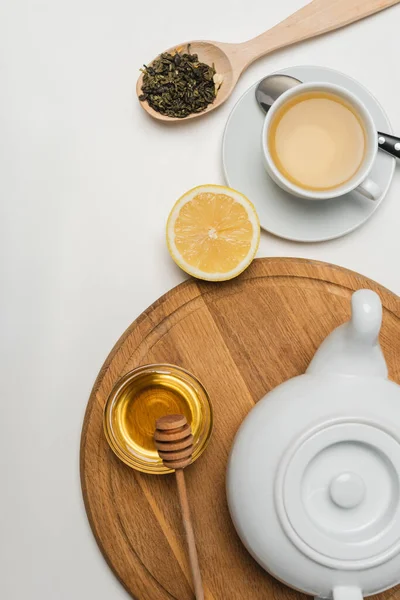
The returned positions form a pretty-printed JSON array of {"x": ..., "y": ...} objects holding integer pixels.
[{"x": 280, "y": 213}]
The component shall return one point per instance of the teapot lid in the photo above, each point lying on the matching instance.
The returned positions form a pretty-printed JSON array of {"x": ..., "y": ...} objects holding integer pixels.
[
  {"x": 337, "y": 494},
  {"x": 320, "y": 509}
]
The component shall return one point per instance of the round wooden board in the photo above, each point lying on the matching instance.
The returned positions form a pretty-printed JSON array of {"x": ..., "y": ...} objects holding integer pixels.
[{"x": 241, "y": 338}]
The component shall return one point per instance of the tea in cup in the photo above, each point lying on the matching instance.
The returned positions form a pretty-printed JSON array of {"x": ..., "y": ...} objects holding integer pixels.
[{"x": 319, "y": 141}]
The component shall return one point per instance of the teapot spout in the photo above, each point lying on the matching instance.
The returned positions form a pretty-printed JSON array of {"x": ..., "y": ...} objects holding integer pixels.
[{"x": 353, "y": 348}]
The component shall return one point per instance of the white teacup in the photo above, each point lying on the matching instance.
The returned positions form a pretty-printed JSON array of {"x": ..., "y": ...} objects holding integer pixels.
[{"x": 361, "y": 182}]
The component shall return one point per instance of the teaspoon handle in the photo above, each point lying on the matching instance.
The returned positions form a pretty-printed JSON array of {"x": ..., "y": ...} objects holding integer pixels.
[{"x": 389, "y": 143}]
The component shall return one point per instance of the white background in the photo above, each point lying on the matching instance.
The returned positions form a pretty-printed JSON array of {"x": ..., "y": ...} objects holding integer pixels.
[{"x": 86, "y": 184}]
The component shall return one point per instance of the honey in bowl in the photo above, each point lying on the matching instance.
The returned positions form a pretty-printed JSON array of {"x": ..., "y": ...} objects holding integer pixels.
[{"x": 143, "y": 396}]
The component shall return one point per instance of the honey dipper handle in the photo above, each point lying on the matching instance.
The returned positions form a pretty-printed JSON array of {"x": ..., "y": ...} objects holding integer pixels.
[
  {"x": 317, "y": 17},
  {"x": 187, "y": 523}
]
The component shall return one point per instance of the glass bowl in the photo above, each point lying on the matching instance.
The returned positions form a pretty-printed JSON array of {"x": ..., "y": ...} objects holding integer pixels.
[{"x": 141, "y": 397}]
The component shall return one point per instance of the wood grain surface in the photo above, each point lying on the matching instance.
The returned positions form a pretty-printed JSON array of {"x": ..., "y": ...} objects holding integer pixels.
[{"x": 241, "y": 338}]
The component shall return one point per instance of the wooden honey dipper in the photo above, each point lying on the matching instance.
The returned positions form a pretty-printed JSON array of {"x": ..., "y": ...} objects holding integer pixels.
[{"x": 174, "y": 442}]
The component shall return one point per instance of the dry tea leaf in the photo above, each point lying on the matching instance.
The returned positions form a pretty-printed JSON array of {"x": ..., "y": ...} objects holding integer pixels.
[{"x": 177, "y": 85}]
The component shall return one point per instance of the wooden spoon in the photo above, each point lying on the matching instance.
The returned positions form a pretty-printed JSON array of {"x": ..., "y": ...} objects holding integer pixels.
[
  {"x": 174, "y": 442},
  {"x": 317, "y": 17}
]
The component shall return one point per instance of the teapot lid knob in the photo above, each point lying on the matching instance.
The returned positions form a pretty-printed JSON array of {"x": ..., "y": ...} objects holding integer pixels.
[
  {"x": 353, "y": 348},
  {"x": 366, "y": 316}
]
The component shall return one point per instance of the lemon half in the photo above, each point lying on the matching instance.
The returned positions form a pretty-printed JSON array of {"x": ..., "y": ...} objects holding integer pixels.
[{"x": 213, "y": 232}]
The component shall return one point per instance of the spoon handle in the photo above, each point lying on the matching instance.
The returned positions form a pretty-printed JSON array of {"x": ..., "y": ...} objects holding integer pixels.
[
  {"x": 317, "y": 17},
  {"x": 389, "y": 143}
]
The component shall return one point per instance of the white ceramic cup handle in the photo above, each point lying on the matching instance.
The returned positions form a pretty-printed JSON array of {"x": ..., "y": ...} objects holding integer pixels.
[
  {"x": 369, "y": 189},
  {"x": 347, "y": 592}
]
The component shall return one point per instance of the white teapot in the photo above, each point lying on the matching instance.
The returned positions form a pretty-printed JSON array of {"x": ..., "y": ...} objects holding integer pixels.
[{"x": 313, "y": 480}]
